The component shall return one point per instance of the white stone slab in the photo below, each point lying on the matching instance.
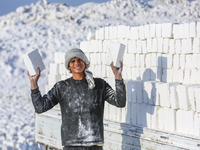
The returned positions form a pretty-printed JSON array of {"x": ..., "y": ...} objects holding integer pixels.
[
  {"x": 193, "y": 32},
  {"x": 182, "y": 92},
  {"x": 176, "y": 31},
  {"x": 174, "y": 97},
  {"x": 196, "y": 45},
  {"x": 134, "y": 33},
  {"x": 172, "y": 46},
  {"x": 152, "y": 30},
  {"x": 198, "y": 29},
  {"x": 33, "y": 61},
  {"x": 158, "y": 30},
  {"x": 167, "y": 30}
]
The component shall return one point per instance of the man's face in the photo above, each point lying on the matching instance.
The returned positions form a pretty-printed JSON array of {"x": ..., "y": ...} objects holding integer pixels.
[{"x": 77, "y": 66}]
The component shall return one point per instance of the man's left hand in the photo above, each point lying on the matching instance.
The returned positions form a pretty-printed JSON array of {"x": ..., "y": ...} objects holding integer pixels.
[{"x": 117, "y": 71}]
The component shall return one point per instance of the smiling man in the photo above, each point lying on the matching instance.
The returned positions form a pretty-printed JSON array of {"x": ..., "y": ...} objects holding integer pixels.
[{"x": 82, "y": 100}]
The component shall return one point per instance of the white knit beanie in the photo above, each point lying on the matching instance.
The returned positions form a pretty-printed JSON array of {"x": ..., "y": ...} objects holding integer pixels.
[{"x": 78, "y": 53}]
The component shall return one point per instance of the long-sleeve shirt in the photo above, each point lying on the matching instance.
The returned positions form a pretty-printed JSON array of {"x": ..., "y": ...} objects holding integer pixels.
[{"x": 82, "y": 108}]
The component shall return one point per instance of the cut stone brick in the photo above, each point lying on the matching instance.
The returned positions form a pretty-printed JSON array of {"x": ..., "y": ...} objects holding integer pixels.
[
  {"x": 197, "y": 97},
  {"x": 167, "y": 30},
  {"x": 196, "y": 45},
  {"x": 174, "y": 97},
  {"x": 182, "y": 92},
  {"x": 54, "y": 68},
  {"x": 158, "y": 30},
  {"x": 33, "y": 61},
  {"x": 134, "y": 33},
  {"x": 193, "y": 32}
]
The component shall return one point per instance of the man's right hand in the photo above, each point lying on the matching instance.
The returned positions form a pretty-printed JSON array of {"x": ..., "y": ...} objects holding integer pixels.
[{"x": 34, "y": 79}]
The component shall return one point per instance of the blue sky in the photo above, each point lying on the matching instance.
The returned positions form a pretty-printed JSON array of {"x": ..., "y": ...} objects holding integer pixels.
[{"x": 7, "y": 6}]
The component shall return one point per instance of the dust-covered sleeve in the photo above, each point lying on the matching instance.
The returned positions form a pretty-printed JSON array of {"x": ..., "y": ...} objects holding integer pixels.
[
  {"x": 46, "y": 102},
  {"x": 116, "y": 97}
]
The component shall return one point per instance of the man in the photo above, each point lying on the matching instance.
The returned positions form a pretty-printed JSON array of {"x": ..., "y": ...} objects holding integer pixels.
[{"x": 81, "y": 99}]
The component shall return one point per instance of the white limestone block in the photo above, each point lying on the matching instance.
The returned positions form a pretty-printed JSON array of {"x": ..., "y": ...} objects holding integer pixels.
[
  {"x": 178, "y": 46},
  {"x": 93, "y": 58},
  {"x": 188, "y": 64},
  {"x": 161, "y": 118},
  {"x": 124, "y": 42},
  {"x": 192, "y": 27},
  {"x": 160, "y": 45},
  {"x": 172, "y": 46},
  {"x": 119, "y": 114},
  {"x": 93, "y": 46},
  {"x": 97, "y": 71},
  {"x": 111, "y": 32},
  {"x": 163, "y": 92},
  {"x": 142, "y": 58},
  {"x": 167, "y": 60},
  {"x": 102, "y": 33},
  {"x": 115, "y": 32},
  {"x": 134, "y": 33},
  {"x": 159, "y": 30},
  {"x": 139, "y": 47},
  {"x": 167, "y": 30},
  {"x": 54, "y": 68},
  {"x": 132, "y": 61},
  {"x": 152, "y": 30},
  {"x": 121, "y": 31},
  {"x": 115, "y": 53},
  {"x": 179, "y": 76},
  {"x": 197, "y": 97},
  {"x": 198, "y": 74},
  {"x": 137, "y": 91},
  {"x": 91, "y": 34},
  {"x": 187, "y": 76},
  {"x": 154, "y": 117},
  {"x": 198, "y": 61},
  {"x": 198, "y": 29},
  {"x": 144, "y": 46},
  {"x": 190, "y": 122},
  {"x": 187, "y": 45},
  {"x": 194, "y": 61},
  {"x": 167, "y": 75},
  {"x": 53, "y": 78},
  {"x": 97, "y": 34},
  {"x": 141, "y": 32},
  {"x": 126, "y": 116},
  {"x": 99, "y": 46},
  {"x": 182, "y": 92},
  {"x": 176, "y": 61},
  {"x": 170, "y": 119},
  {"x": 107, "y": 33},
  {"x": 128, "y": 33},
  {"x": 176, "y": 31},
  {"x": 154, "y": 59},
  {"x": 196, "y": 128},
  {"x": 181, "y": 31},
  {"x": 166, "y": 46},
  {"x": 132, "y": 46},
  {"x": 33, "y": 61},
  {"x": 155, "y": 45},
  {"x": 137, "y": 60},
  {"x": 149, "y": 45},
  {"x": 191, "y": 96},
  {"x": 84, "y": 46},
  {"x": 181, "y": 121},
  {"x": 174, "y": 97},
  {"x": 194, "y": 76},
  {"x": 186, "y": 29},
  {"x": 196, "y": 45},
  {"x": 182, "y": 61},
  {"x": 147, "y": 31},
  {"x": 147, "y": 60}
]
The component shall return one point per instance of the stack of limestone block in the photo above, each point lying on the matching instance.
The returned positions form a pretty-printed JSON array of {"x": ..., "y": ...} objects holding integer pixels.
[{"x": 161, "y": 72}]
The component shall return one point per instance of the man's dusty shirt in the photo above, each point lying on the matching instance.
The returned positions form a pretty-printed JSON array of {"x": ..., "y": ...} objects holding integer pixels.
[{"x": 81, "y": 108}]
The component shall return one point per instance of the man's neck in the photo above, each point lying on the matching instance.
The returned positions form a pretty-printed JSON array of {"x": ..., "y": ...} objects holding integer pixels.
[{"x": 78, "y": 76}]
